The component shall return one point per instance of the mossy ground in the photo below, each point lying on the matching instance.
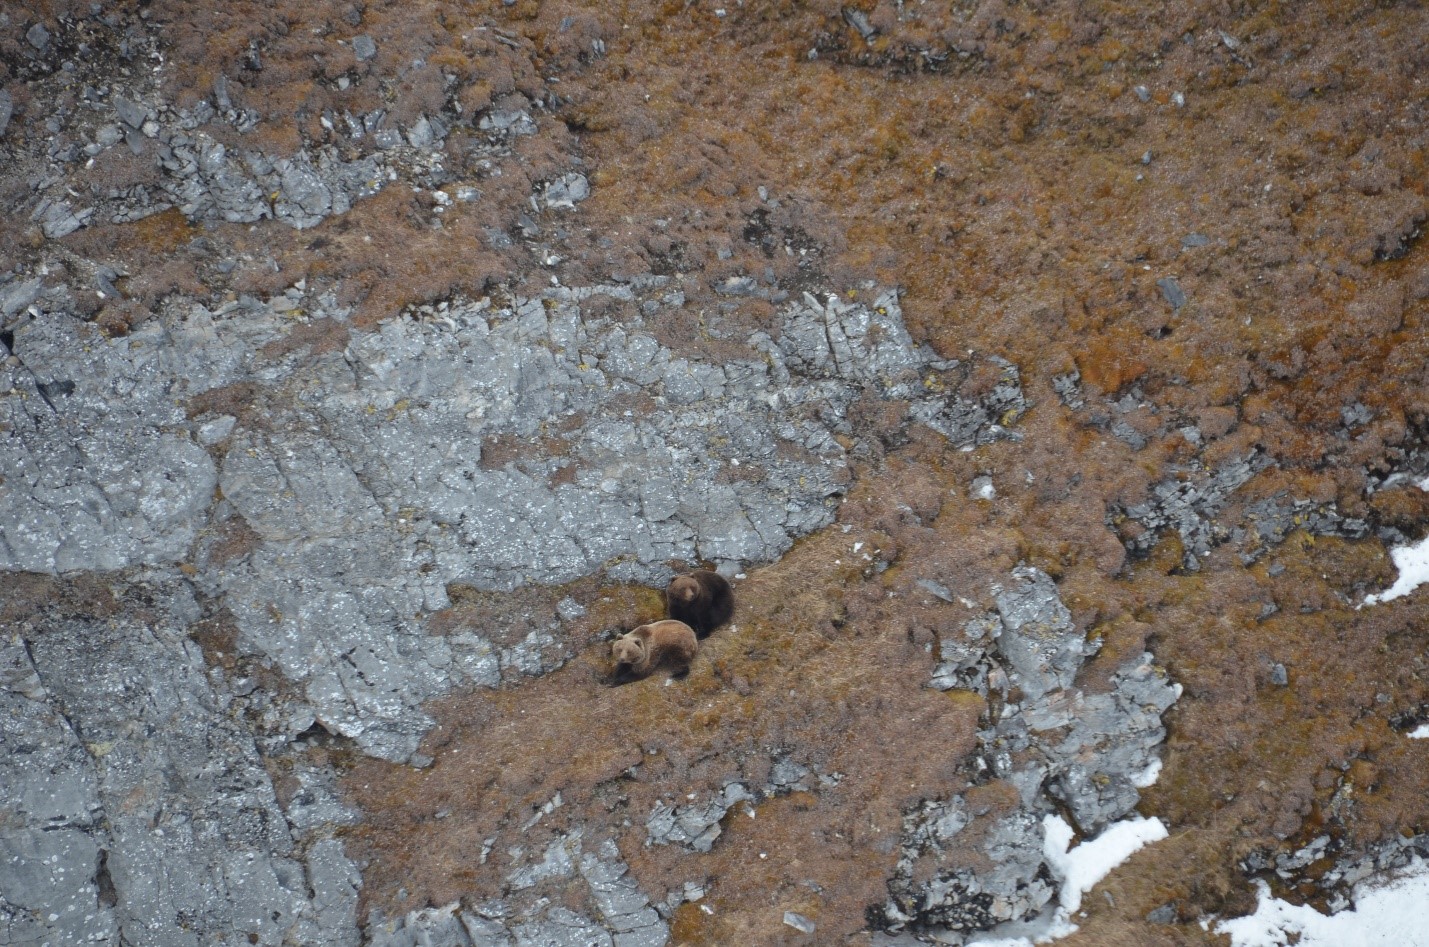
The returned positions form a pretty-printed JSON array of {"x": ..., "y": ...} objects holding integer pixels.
[
  {"x": 1006, "y": 194},
  {"x": 995, "y": 160}
]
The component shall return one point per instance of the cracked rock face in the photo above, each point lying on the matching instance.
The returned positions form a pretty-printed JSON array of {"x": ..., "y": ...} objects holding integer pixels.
[
  {"x": 363, "y": 484},
  {"x": 95, "y": 477},
  {"x": 694, "y": 826},
  {"x": 626, "y": 918},
  {"x": 204, "y": 857},
  {"x": 198, "y": 174},
  {"x": 366, "y": 482}
]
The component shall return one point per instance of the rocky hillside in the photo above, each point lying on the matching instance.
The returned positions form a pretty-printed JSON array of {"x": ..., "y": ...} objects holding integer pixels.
[{"x": 1049, "y": 379}]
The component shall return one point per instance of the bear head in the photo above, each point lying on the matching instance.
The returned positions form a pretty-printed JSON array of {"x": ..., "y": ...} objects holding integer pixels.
[
  {"x": 628, "y": 649},
  {"x": 685, "y": 588}
]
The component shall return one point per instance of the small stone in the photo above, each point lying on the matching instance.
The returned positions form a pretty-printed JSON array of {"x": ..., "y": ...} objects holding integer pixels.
[
  {"x": 7, "y": 107},
  {"x": 1276, "y": 568},
  {"x": 1142, "y": 93},
  {"x": 1195, "y": 240},
  {"x": 1356, "y": 415},
  {"x": 108, "y": 136},
  {"x": 983, "y": 489},
  {"x": 1166, "y": 914},
  {"x": 38, "y": 36},
  {"x": 1278, "y": 675},
  {"x": 130, "y": 113},
  {"x": 216, "y": 430},
  {"x": 737, "y": 286},
  {"x": 569, "y": 609},
  {"x": 938, "y": 589},
  {"x": 104, "y": 278},
  {"x": 568, "y": 190},
  {"x": 420, "y": 134},
  {"x": 1146, "y": 157},
  {"x": 799, "y": 922},
  {"x": 16, "y": 296},
  {"x": 220, "y": 93},
  {"x": 363, "y": 47},
  {"x": 1172, "y": 291}
]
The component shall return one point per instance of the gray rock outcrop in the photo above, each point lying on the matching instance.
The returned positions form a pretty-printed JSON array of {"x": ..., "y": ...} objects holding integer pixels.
[
  {"x": 365, "y": 481},
  {"x": 1062, "y": 748},
  {"x": 99, "y": 849}
]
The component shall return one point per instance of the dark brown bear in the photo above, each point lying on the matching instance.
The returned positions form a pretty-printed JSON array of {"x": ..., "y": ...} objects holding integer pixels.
[
  {"x": 662, "y": 644},
  {"x": 701, "y": 599}
]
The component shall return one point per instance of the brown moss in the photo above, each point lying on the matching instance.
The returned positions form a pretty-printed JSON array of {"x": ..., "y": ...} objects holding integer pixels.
[
  {"x": 31, "y": 595},
  {"x": 318, "y": 337},
  {"x": 988, "y": 161},
  {"x": 566, "y": 732}
]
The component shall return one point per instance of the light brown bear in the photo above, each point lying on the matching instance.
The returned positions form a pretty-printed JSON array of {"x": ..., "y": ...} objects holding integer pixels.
[
  {"x": 701, "y": 599},
  {"x": 663, "y": 644}
]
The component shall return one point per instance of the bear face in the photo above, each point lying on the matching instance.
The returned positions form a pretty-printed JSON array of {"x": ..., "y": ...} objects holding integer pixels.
[
  {"x": 628, "y": 649},
  {"x": 685, "y": 588}
]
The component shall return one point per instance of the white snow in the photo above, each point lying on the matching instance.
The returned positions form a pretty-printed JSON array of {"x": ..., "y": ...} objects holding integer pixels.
[
  {"x": 1147, "y": 777},
  {"x": 1412, "y": 563},
  {"x": 1087, "y": 864},
  {"x": 1080, "y": 869},
  {"x": 1389, "y": 914},
  {"x": 1420, "y": 732}
]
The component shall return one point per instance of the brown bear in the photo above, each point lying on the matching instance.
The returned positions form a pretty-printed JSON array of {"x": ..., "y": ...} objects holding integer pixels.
[
  {"x": 701, "y": 599},
  {"x": 662, "y": 644}
]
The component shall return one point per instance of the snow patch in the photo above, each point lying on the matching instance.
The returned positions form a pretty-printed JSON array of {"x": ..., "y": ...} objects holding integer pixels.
[
  {"x": 1083, "y": 867},
  {"x": 1385, "y": 915},
  {"x": 1420, "y": 732},
  {"x": 1412, "y": 563},
  {"x": 1147, "y": 777},
  {"x": 1080, "y": 869}
]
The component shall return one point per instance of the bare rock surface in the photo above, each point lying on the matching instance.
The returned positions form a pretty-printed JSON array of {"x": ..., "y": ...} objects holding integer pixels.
[
  {"x": 620, "y": 914},
  {"x": 365, "y": 482},
  {"x": 205, "y": 856},
  {"x": 1061, "y": 747}
]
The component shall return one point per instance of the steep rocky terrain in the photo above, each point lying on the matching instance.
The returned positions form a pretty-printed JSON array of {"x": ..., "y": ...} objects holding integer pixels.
[{"x": 1049, "y": 378}]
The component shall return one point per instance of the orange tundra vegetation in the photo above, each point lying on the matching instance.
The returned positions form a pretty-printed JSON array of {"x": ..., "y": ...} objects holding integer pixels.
[
  {"x": 1026, "y": 173},
  {"x": 996, "y": 162}
]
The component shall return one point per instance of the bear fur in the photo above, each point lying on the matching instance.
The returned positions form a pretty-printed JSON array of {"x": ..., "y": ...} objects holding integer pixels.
[
  {"x": 701, "y": 599},
  {"x": 663, "y": 644}
]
